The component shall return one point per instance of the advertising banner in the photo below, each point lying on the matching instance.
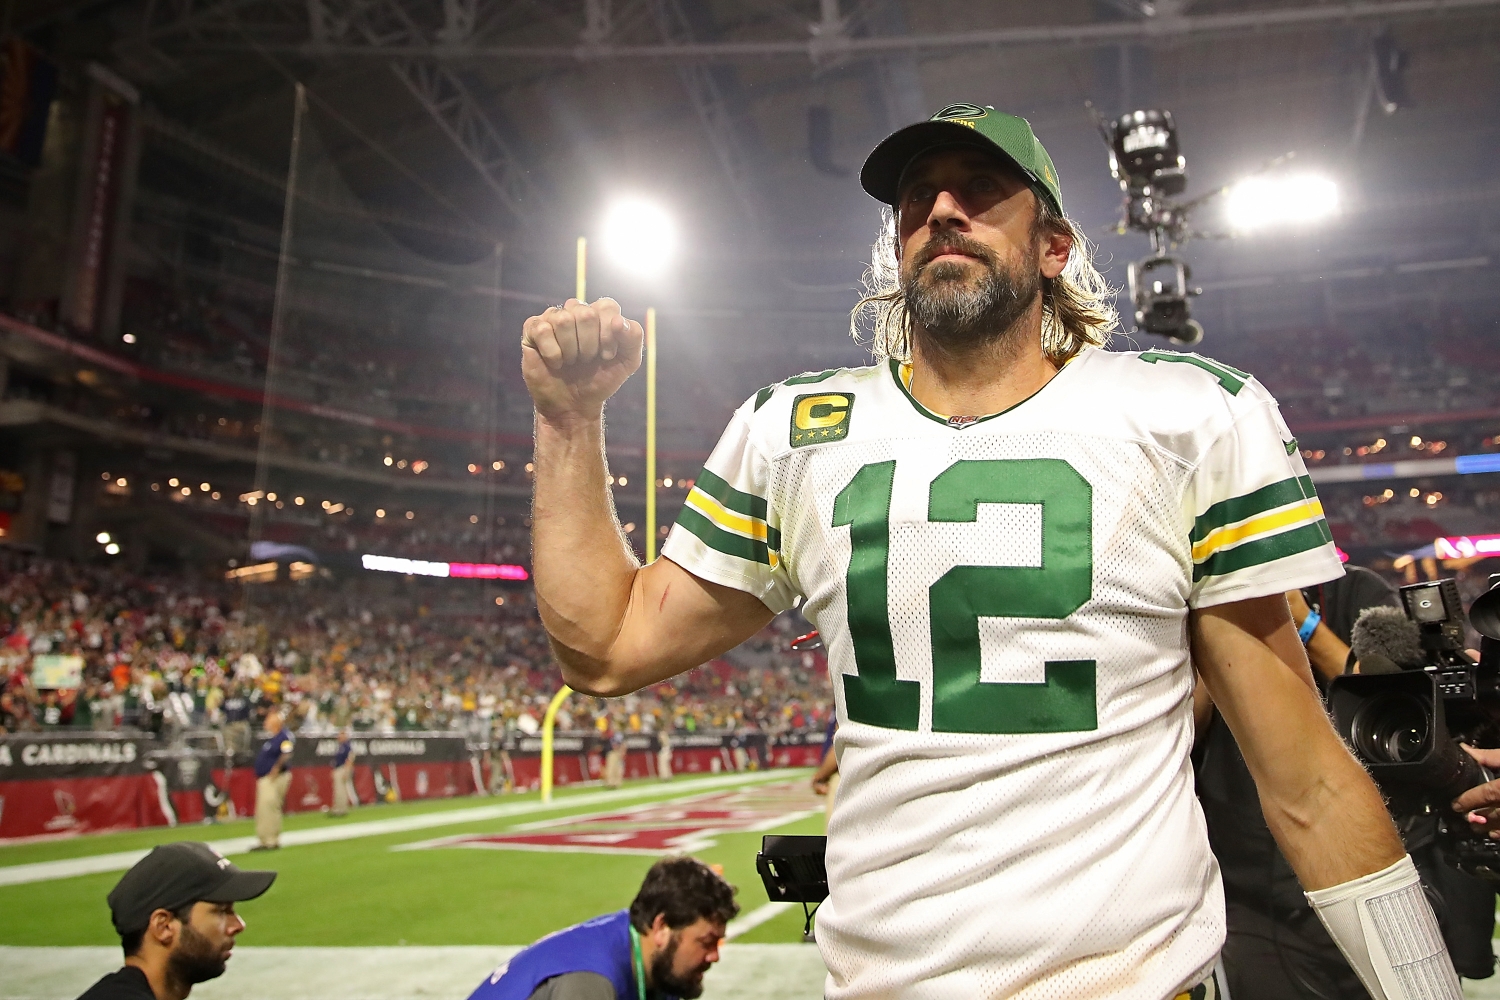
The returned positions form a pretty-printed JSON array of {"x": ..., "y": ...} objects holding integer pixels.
[
  {"x": 579, "y": 756},
  {"x": 28, "y": 82},
  {"x": 67, "y": 783},
  {"x": 56, "y": 672},
  {"x": 63, "y": 783},
  {"x": 91, "y": 299}
]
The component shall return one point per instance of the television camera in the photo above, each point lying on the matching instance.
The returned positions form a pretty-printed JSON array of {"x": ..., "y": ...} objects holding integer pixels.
[
  {"x": 792, "y": 870},
  {"x": 1405, "y": 723},
  {"x": 1146, "y": 158}
]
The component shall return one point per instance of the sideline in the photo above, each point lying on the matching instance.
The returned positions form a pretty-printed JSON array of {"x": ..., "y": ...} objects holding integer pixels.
[{"x": 44, "y": 871}]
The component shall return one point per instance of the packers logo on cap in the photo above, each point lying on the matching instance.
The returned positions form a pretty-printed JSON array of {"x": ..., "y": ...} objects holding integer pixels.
[
  {"x": 955, "y": 112},
  {"x": 821, "y": 417}
]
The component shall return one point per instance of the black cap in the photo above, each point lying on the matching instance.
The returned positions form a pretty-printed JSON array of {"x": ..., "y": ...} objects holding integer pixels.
[{"x": 174, "y": 875}]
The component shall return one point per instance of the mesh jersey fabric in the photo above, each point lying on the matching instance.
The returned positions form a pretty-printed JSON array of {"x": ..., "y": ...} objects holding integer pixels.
[{"x": 1004, "y": 603}]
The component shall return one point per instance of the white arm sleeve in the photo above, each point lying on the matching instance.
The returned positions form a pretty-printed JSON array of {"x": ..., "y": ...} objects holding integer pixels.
[{"x": 1385, "y": 928}]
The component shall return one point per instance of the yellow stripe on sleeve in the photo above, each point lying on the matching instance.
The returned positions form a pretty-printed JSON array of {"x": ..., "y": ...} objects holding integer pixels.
[
  {"x": 1307, "y": 510},
  {"x": 725, "y": 518}
]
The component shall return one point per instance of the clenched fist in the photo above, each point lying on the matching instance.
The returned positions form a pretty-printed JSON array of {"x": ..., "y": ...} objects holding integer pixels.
[{"x": 576, "y": 355}]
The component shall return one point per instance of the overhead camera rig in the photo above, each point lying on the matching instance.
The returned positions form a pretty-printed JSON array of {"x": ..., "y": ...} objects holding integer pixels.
[{"x": 1144, "y": 156}]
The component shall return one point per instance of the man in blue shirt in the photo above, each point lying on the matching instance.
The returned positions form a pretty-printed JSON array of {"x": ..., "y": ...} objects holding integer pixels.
[
  {"x": 237, "y": 720},
  {"x": 271, "y": 781},
  {"x": 660, "y": 948},
  {"x": 343, "y": 776}
]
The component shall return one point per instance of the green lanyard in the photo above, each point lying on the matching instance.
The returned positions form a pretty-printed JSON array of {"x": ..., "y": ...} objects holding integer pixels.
[{"x": 640, "y": 963}]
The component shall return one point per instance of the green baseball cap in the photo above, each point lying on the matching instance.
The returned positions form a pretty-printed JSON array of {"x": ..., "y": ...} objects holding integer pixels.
[{"x": 961, "y": 125}]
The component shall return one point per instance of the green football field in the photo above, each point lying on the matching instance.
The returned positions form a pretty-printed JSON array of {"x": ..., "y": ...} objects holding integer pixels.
[{"x": 376, "y": 889}]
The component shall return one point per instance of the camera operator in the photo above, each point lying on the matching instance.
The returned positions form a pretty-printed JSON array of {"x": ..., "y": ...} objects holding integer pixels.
[
  {"x": 660, "y": 947},
  {"x": 1276, "y": 947},
  {"x": 1471, "y": 902}
]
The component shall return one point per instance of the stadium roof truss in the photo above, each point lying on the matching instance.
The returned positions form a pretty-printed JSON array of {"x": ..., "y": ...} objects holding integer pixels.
[
  {"x": 459, "y": 35},
  {"x": 392, "y": 29}
]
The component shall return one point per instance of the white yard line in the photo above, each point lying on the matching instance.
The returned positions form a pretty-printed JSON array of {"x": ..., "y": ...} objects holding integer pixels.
[
  {"x": 753, "y": 919},
  {"x": 43, "y": 871}
]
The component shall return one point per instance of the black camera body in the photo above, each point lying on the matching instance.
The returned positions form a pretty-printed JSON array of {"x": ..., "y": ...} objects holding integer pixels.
[
  {"x": 792, "y": 868},
  {"x": 1406, "y": 726}
]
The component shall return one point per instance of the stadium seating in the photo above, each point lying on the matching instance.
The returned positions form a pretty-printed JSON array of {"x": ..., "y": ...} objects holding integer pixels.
[{"x": 163, "y": 651}]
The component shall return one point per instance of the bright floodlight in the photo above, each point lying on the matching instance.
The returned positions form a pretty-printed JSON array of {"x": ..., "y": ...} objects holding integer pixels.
[
  {"x": 1289, "y": 200},
  {"x": 639, "y": 236}
]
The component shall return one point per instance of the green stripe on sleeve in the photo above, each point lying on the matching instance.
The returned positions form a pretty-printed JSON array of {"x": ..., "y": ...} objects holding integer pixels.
[
  {"x": 764, "y": 395},
  {"x": 1264, "y": 550},
  {"x": 809, "y": 378},
  {"x": 1258, "y": 502},
  {"x": 731, "y": 498},
  {"x": 719, "y": 540},
  {"x": 1232, "y": 379}
]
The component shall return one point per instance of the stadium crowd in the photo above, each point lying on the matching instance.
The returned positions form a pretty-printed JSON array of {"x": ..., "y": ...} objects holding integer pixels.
[{"x": 167, "y": 652}]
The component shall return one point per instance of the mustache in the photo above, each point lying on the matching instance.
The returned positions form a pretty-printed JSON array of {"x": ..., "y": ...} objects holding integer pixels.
[{"x": 953, "y": 242}]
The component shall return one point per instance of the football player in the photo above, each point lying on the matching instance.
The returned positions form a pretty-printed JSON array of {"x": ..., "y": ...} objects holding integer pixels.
[{"x": 1016, "y": 546}]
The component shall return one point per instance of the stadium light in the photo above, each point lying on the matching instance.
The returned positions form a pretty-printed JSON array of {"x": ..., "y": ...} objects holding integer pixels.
[
  {"x": 639, "y": 237},
  {"x": 1289, "y": 200}
]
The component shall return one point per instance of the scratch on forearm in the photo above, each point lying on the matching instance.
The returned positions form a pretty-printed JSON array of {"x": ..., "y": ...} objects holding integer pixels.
[{"x": 663, "y": 603}]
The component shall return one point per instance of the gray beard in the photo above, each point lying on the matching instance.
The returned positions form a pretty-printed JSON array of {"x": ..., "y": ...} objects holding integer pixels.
[{"x": 958, "y": 315}]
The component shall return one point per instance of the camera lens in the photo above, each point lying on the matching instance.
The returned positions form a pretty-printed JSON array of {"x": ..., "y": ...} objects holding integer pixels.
[{"x": 1392, "y": 729}]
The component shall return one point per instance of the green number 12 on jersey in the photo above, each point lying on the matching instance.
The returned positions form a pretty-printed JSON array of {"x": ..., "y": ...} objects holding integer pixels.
[{"x": 1066, "y": 701}]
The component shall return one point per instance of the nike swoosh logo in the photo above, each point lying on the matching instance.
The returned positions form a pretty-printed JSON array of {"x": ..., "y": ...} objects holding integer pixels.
[{"x": 1291, "y": 446}]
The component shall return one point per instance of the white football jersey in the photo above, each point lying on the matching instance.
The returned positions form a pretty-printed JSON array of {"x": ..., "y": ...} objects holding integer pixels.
[{"x": 1004, "y": 603}]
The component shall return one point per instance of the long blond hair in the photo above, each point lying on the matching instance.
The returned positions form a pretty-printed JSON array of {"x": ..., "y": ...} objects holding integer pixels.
[{"x": 1077, "y": 306}]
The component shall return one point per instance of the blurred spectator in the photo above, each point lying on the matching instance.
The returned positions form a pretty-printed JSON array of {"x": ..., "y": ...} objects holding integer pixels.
[{"x": 348, "y": 653}]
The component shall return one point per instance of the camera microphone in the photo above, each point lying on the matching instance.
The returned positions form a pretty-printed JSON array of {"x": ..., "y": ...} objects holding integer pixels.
[{"x": 1385, "y": 641}]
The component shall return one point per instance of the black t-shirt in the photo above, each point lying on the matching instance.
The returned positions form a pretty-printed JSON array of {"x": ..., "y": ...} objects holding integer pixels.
[
  {"x": 128, "y": 983},
  {"x": 1255, "y": 873},
  {"x": 1340, "y": 601}
]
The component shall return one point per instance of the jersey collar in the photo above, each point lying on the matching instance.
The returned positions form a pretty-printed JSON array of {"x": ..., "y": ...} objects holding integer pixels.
[{"x": 901, "y": 375}]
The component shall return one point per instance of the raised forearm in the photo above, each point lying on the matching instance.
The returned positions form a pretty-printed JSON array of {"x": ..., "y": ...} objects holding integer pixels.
[{"x": 584, "y": 568}]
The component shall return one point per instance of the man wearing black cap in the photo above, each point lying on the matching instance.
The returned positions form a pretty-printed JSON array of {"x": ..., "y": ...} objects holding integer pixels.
[
  {"x": 1017, "y": 547},
  {"x": 174, "y": 912}
]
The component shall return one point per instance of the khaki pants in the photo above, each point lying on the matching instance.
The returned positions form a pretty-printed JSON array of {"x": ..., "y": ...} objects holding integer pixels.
[
  {"x": 833, "y": 788},
  {"x": 270, "y": 793},
  {"x": 614, "y": 768},
  {"x": 343, "y": 788}
]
